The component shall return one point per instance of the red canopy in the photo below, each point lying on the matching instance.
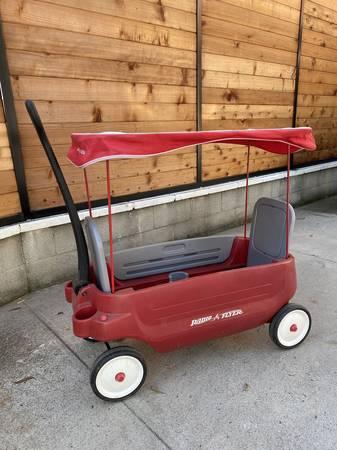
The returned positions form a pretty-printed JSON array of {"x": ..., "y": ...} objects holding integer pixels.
[{"x": 88, "y": 148}]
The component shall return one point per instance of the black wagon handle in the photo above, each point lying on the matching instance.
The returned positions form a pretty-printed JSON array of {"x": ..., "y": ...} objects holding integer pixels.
[{"x": 81, "y": 245}]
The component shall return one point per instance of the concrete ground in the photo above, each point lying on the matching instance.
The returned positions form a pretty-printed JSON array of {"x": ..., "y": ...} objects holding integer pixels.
[{"x": 239, "y": 392}]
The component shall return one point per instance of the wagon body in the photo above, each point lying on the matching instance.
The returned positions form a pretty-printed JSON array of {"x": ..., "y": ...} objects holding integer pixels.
[{"x": 171, "y": 315}]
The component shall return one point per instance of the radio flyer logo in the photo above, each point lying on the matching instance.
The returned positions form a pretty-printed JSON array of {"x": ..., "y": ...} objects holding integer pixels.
[{"x": 219, "y": 316}]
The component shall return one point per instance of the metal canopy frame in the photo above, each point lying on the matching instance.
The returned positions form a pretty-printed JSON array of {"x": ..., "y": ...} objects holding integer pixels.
[{"x": 15, "y": 145}]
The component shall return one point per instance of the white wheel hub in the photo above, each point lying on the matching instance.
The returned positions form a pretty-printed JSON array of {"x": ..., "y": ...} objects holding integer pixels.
[
  {"x": 119, "y": 377},
  {"x": 293, "y": 328}
]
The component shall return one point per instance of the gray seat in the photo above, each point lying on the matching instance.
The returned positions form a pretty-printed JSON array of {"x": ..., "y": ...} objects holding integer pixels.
[
  {"x": 97, "y": 255},
  {"x": 172, "y": 256},
  {"x": 268, "y": 231}
]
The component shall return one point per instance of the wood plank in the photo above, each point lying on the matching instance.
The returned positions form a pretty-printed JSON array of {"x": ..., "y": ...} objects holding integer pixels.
[
  {"x": 185, "y": 5},
  {"x": 320, "y": 52},
  {"x": 331, "y": 4},
  {"x": 235, "y": 14},
  {"x": 293, "y": 3},
  {"x": 5, "y": 152},
  {"x": 6, "y": 162},
  {"x": 60, "y": 133},
  {"x": 317, "y": 124},
  {"x": 326, "y": 13},
  {"x": 81, "y": 15},
  {"x": 317, "y": 100},
  {"x": 246, "y": 96},
  {"x": 51, "y": 197},
  {"x": 318, "y": 155},
  {"x": 320, "y": 39},
  {"x": 242, "y": 33},
  {"x": 142, "y": 11},
  {"x": 326, "y": 139},
  {"x": 3, "y": 136},
  {"x": 63, "y": 112},
  {"x": 34, "y": 156},
  {"x": 9, "y": 204},
  {"x": 268, "y": 8},
  {"x": 46, "y": 88},
  {"x": 50, "y": 41},
  {"x": 8, "y": 182},
  {"x": 42, "y": 177},
  {"x": 220, "y": 63},
  {"x": 239, "y": 167},
  {"x": 61, "y": 66},
  {"x": 221, "y": 155},
  {"x": 307, "y": 112},
  {"x": 225, "y": 112},
  {"x": 315, "y": 76},
  {"x": 321, "y": 65},
  {"x": 241, "y": 81},
  {"x": 230, "y": 47},
  {"x": 245, "y": 123},
  {"x": 317, "y": 89},
  {"x": 81, "y": 21},
  {"x": 320, "y": 26}
]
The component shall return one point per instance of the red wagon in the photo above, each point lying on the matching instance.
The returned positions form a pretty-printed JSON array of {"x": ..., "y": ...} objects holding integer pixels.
[{"x": 179, "y": 293}]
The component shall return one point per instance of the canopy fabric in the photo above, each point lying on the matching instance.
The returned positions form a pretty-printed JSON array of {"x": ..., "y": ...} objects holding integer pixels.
[{"x": 89, "y": 148}]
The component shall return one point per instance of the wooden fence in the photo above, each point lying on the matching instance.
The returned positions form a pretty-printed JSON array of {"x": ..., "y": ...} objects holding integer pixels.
[{"x": 131, "y": 66}]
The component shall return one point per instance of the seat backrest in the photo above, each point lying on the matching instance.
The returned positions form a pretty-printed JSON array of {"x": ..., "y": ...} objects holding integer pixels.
[
  {"x": 97, "y": 255},
  {"x": 268, "y": 231}
]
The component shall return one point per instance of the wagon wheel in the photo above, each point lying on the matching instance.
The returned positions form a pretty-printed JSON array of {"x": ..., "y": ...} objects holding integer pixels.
[
  {"x": 290, "y": 326},
  {"x": 118, "y": 373}
]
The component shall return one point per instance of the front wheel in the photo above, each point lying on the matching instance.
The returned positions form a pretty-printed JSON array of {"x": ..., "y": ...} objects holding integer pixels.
[
  {"x": 290, "y": 326},
  {"x": 118, "y": 373}
]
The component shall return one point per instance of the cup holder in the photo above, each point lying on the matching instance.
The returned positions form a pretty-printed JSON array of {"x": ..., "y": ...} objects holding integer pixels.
[
  {"x": 85, "y": 313},
  {"x": 177, "y": 276}
]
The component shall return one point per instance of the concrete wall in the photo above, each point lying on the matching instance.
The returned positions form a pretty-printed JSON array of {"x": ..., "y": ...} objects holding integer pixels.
[{"x": 38, "y": 258}]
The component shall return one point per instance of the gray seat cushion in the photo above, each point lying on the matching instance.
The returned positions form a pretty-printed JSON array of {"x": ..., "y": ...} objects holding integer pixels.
[
  {"x": 97, "y": 255},
  {"x": 171, "y": 256},
  {"x": 268, "y": 231}
]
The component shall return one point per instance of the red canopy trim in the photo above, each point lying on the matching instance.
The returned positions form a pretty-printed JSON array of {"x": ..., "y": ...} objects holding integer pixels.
[{"x": 89, "y": 148}]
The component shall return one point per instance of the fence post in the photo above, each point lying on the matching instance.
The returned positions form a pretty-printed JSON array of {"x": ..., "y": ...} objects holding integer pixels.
[{"x": 12, "y": 128}]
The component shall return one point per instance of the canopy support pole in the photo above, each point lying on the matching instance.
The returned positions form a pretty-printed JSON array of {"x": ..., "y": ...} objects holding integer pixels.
[
  {"x": 288, "y": 198},
  {"x": 87, "y": 191},
  {"x": 246, "y": 192},
  {"x": 108, "y": 187}
]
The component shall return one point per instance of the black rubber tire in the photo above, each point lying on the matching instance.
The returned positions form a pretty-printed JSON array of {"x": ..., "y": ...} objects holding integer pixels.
[
  {"x": 90, "y": 339},
  {"x": 107, "y": 356},
  {"x": 274, "y": 324}
]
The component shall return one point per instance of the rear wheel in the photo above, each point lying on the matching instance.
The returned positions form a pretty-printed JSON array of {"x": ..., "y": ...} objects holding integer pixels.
[
  {"x": 290, "y": 326},
  {"x": 118, "y": 373}
]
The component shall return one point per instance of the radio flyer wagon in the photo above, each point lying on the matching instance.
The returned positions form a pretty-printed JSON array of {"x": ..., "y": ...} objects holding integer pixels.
[{"x": 182, "y": 292}]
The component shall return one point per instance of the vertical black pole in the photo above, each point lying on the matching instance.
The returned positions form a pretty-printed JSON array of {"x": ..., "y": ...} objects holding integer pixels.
[
  {"x": 12, "y": 128},
  {"x": 199, "y": 85},
  {"x": 297, "y": 71}
]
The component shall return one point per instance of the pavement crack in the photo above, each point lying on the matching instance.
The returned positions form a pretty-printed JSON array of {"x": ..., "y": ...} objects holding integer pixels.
[
  {"x": 147, "y": 426},
  {"x": 131, "y": 410},
  {"x": 45, "y": 323},
  {"x": 316, "y": 256}
]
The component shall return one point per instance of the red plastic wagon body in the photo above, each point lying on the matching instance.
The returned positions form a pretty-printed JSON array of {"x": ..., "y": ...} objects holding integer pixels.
[{"x": 248, "y": 287}]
